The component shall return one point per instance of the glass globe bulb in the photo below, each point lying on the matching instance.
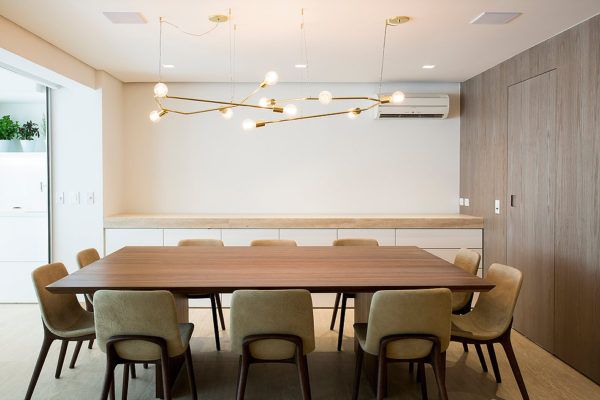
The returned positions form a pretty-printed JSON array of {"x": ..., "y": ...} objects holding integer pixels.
[
  {"x": 155, "y": 116},
  {"x": 248, "y": 124},
  {"x": 353, "y": 113},
  {"x": 397, "y": 97},
  {"x": 226, "y": 113},
  {"x": 271, "y": 78},
  {"x": 160, "y": 89},
  {"x": 263, "y": 102},
  {"x": 290, "y": 109},
  {"x": 325, "y": 97}
]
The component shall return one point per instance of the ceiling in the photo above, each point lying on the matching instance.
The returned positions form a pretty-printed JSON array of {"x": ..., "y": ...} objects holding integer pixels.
[{"x": 344, "y": 37}]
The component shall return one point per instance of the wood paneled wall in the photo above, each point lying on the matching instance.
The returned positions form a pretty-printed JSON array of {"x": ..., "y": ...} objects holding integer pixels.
[{"x": 575, "y": 55}]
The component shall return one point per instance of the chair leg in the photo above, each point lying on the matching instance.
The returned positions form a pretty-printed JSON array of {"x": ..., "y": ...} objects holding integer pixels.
[
  {"x": 514, "y": 365},
  {"x": 381, "y": 377},
  {"x": 133, "y": 371},
  {"x": 494, "y": 361},
  {"x": 61, "y": 358},
  {"x": 125, "y": 381},
  {"x": 357, "y": 370},
  {"x": 166, "y": 376},
  {"x": 423, "y": 380},
  {"x": 190, "y": 373},
  {"x": 465, "y": 347},
  {"x": 304, "y": 376},
  {"x": 439, "y": 369},
  {"x": 91, "y": 344},
  {"x": 38, "y": 365},
  {"x": 75, "y": 354},
  {"x": 342, "y": 321},
  {"x": 481, "y": 357},
  {"x": 335, "y": 310},
  {"x": 411, "y": 367},
  {"x": 159, "y": 390},
  {"x": 220, "y": 310},
  {"x": 213, "y": 306},
  {"x": 244, "y": 366},
  {"x": 145, "y": 365},
  {"x": 109, "y": 377}
]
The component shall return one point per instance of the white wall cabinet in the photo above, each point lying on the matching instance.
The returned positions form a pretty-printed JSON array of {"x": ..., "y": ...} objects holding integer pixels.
[
  {"x": 243, "y": 237},
  {"x": 116, "y": 239},
  {"x": 440, "y": 238},
  {"x": 310, "y": 237},
  {"x": 385, "y": 237}
]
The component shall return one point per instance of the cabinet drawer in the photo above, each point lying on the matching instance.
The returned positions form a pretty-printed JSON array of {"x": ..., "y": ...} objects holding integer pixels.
[
  {"x": 310, "y": 237},
  {"x": 440, "y": 238},
  {"x": 173, "y": 236},
  {"x": 116, "y": 239}
]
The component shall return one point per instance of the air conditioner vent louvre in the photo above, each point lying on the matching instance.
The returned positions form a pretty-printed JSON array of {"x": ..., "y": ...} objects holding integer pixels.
[{"x": 416, "y": 106}]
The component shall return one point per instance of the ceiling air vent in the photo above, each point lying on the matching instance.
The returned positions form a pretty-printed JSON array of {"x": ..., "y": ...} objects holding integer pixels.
[
  {"x": 118, "y": 17},
  {"x": 495, "y": 18}
]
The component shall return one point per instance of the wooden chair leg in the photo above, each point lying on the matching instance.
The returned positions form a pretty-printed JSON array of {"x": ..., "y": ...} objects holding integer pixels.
[
  {"x": 411, "y": 367},
  {"x": 439, "y": 369},
  {"x": 514, "y": 365},
  {"x": 335, "y": 310},
  {"x": 357, "y": 371},
  {"x": 133, "y": 371},
  {"x": 465, "y": 347},
  {"x": 481, "y": 357},
  {"x": 190, "y": 373},
  {"x": 423, "y": 380},
  {"x": 342, "y": 321},
  {"x": 381, "y": 377},
  {"x": 75, "y": 354},
  {"x": 108, "y": 386},
  {"x": 166, "y": 377},
  {"x": 125, "y": 381},
  {"x": 112, "y": 390},
  {"x": 304, "y": 376},
  {"x": 494, "y": 361},
  {"x": 220, "y": 310},
  {"x": 244, "y": 366},
  {"x": 145, "y": 365},
  {"x": 159, "y": 391},
  {"x": 213, "y": 306},
  {"x": 91, "y": 344},
  {"x": 61, "y": 358},
  {"x": 38, "y": 365}
]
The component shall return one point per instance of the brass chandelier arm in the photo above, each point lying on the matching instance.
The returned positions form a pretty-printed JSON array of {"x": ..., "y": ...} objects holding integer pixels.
[
  {"x": 357, "y": 110},
  {"x": 227, "y": 104}
]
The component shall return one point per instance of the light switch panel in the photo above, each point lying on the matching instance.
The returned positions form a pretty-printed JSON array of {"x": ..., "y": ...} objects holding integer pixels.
[
  {"x": 74, "y": 198},
  {"x": 60, "y": 198},
  {"x": 497, "y": 206},
  {"x": 461, "y": 201},
  {"x": 467, "y": 202},
  {"x": 90, "y": 198}
]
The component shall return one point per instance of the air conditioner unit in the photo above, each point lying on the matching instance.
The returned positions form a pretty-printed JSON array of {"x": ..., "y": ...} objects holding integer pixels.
[{"x": 416, "y": 105}]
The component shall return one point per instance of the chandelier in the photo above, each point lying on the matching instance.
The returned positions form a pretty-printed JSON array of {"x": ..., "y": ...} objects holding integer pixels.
[{"x": 289, "y": 111}]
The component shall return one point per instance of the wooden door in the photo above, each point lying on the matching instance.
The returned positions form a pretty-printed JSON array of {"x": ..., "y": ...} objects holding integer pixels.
[{"x": 531, "y": 190}]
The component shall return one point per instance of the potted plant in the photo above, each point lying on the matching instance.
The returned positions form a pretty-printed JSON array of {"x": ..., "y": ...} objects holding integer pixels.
[
  {"x": 27, "y": 133},
  {"x": 9, "y": 131}
]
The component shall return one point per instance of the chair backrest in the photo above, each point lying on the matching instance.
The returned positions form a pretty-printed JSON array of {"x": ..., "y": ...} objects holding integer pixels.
[
  {"x": 86, "y": 257},
  {"x": 356, "y": 242},
  {"x": 494, "y": 309},
  {"x": 468, "y": 260},
  {"x": 59, "y": 311},
  {"x": 273, "y": 242},
  {"x": 201, "y": 242},
  {"x": 396, "y": 312},
  {"x": 147, "y": 313},
  {"x": 287, "y": 312}
]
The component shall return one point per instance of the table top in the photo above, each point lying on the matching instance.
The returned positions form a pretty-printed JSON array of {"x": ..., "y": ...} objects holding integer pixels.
[{"x": 225, "y": 269}]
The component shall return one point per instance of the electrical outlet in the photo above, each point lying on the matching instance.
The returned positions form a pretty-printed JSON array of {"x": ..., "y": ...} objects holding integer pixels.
[
  {"x": 74, "y": 198},
  {"x": 90, "y": 198},
  {"x": 467, "y": 202},
  {"x": 461, "y": 201},
  {"x": 497, "y": 206},
  {"x": 60, "y": 198}
]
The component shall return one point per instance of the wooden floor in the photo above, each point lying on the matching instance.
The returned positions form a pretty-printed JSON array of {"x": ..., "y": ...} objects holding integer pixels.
[{"x": 331, "y": 372}]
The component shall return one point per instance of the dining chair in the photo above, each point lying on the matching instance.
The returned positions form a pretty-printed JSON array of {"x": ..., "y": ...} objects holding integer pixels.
[
  {"x": 63, "y": 319},
  {"x": 272, "y": 326},
  {"x": 141, "y": 327},
  {"x": 274, "y": 242},
  {"x": 406, "y": 326},
  {"x": 215, "y": 298},
  {"x": 346, "y": 295},
  {"x": 490, "y": 321}
]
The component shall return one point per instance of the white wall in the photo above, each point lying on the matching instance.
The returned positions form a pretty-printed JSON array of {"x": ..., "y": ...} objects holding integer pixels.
[{"x": 203, "y": 164}]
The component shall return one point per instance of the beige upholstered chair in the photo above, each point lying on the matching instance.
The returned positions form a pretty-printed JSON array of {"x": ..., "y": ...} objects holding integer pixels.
[
  {"x": 274, "y": 242},
  {"x": 272, "y": 326},
  {"x": 215, "y": 298},
  {"x": 62, "y": 318},
  {"x": 85, "y": 258},
  {"x": 406, "y": 325},
  {"x": 490, "y": 321},
  {"x": 346, "y": 296},
  {"x": 468, "y": 260},
  {"x": 141, "y": 326}
]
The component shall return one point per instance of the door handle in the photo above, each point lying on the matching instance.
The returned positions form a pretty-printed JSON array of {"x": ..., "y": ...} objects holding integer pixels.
[{"x": 513, "y": 200}]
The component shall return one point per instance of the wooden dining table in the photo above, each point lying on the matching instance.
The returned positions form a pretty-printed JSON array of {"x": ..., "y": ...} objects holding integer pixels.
[{"x": 327, "y": 269}]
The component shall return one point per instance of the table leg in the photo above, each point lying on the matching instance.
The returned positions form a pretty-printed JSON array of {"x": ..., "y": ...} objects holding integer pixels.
[
  {"x": 183, "y": 311},
  {"x": 362, "y": 304}
]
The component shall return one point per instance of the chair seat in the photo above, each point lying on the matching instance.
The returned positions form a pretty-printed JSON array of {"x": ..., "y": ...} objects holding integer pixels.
[
  {"x": 81, "y": 326},
  {"x": 468, "y": 327}
]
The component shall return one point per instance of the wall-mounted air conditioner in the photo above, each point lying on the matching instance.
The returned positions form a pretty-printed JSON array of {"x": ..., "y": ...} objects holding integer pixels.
[{"x": 416, "y": 105}]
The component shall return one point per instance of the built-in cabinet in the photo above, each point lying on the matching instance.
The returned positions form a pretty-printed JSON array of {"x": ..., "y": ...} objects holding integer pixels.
[{"x": 530, "y": 137}]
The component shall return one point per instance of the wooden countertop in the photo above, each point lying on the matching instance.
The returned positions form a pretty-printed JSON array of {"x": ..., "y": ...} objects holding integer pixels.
[{"x": 138, "y": 221}]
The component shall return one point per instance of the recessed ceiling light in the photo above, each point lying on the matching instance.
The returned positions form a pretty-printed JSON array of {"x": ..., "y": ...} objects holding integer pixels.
[
  {"x": 125, "y": 17},
  {"x": 300, "y": 65},
  {"x": 495, "y": 18},
  {"x": 168, "y": 66},
  {"x": 428, "y": 66}
]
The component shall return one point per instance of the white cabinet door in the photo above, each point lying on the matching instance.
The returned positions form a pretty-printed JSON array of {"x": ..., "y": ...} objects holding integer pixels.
[
  {"x": 24, "y": 237},
  {"x": 16, "y": 285},
  {"x": 385, "y": 237},
  {"x": 243, "y": 237},
  {"x": 310, "y": 237},
  {"x": 439, "y": 238},
  {"x": 116, "y": 239},
  {"x": 173, "y": 236}
]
